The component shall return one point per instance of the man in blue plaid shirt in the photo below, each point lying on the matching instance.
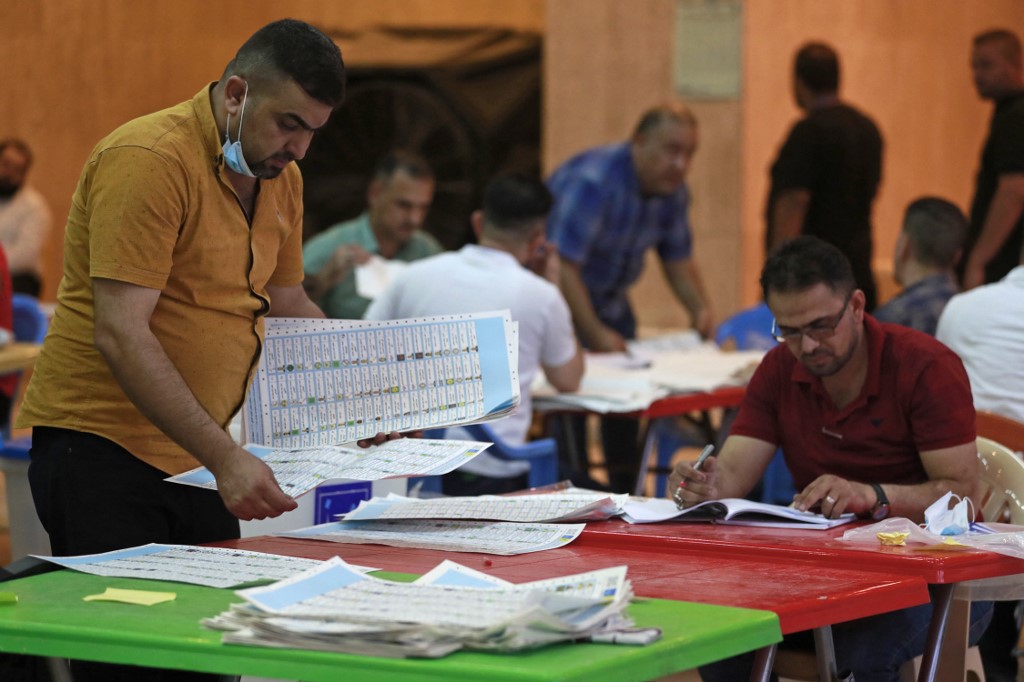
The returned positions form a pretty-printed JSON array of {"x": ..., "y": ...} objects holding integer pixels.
[{"x": 612, "y": 204}]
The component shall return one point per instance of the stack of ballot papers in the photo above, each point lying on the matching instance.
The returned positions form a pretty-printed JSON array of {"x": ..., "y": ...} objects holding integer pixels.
[{"x": 334, "y": 607}]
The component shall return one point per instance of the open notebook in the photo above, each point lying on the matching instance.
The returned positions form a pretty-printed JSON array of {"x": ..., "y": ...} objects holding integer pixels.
[{"x": 731, "y": 511}]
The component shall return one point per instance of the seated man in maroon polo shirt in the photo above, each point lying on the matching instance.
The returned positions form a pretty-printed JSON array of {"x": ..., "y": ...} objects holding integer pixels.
[{"x": 874, "y": 419}]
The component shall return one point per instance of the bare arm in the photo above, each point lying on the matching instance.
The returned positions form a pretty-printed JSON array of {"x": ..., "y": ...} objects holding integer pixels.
[
  {"x": 292, "y": 302},
  {"x": 684, "y": 278},
  {"x": 566, "y": 378},
  {"x": 1003, "y": 213},
  {"x": 594, "y": 333},
  {"x": 337, "y": 268},
  {"x": 733, "y": 473},
  {"x": 788, "y": 214},
  {"x": 949, "y": 469},
  {"x": 152, "y": 382}
]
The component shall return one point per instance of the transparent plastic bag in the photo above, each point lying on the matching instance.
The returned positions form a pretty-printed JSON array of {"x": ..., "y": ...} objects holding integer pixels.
[{"x": 1001, "y": 538}]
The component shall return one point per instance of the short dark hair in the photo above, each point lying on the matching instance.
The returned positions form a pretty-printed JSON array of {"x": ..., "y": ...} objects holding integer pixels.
[
  {"x": 297, "y": 50},
  {"x": 1007, "y": 40},
  {"x": 402, "y": 160},
  {"x": 817, "y": 66},
  {"x": 513, "y": 202},
  {"x": 936, "y": 229},
  {"x": 653, "y": 117},
  {"x": 21, "y": 146},
  {"x": 804, "y": 262}
]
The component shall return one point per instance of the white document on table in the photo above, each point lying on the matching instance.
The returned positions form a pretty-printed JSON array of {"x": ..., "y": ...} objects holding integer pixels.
[
  {"x": 210, "y": 566},
  {"x": 375, "y": 276},
  {"x": 730, "y": 511},
  {"x": 300, "y": 470},
  {"x": 448, "y": 535},
  {"x": 548, "y": 508}
]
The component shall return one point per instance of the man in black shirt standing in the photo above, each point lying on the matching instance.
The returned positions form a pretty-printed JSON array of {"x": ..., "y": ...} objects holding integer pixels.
[
  {"x": 826, "y": 174},
  {"x": 994, "y": 241}
]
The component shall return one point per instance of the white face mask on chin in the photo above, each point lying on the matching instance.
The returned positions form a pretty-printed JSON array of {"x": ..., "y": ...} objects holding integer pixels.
[{"x": 233, "y": 156}]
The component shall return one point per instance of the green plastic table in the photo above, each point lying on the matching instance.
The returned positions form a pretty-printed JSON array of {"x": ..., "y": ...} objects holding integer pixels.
[{"x": 51, "y": 619}]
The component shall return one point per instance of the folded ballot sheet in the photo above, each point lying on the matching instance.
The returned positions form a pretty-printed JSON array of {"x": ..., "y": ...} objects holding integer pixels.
[
  {"x": 324, "y": 382},
  {"x": 333, "y": 607},
  {"x": 300, "y": 470},
  {"x": 321, "y": 385}
]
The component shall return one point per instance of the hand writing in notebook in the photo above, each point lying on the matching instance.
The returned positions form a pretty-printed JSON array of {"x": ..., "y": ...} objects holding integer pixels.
[{"x": 694, "y": 482}]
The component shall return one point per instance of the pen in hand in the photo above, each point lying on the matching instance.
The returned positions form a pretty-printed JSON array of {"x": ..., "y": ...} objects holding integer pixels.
[{"x": 704, "y": 454}]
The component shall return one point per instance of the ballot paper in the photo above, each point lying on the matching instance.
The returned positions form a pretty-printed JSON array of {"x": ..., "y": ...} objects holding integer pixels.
[
  {"x": 484, "y": 537},
  {"x": 374, "y": 276},
  {"x": 334, "y": 607},
  {"x": 300, "y": 470},
  {"x": 632, "y": 381},
  {"x": 546, "y": 508},
  {"x": 326, "y": 382},
  {"x": 732, "y": 511},
  {"x": 210, "y": 566}
]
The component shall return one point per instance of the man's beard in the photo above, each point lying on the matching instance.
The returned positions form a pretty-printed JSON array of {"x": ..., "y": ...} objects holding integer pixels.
[{"x": 8, "y": 189}]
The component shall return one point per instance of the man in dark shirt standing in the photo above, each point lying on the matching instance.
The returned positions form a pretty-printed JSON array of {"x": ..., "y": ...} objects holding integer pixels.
[
  {"x": 826, "y": 174},
  {"x": 997, "y": 213}
]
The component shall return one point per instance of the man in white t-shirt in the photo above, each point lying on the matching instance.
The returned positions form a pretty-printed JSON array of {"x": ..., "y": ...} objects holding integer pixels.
[
  {"x": 512, "y": 267},
  {"x": 985, "y": 327}
]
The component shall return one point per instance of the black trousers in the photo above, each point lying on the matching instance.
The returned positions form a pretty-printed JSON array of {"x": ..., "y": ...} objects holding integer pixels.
[{"x": 93, "y": 496}]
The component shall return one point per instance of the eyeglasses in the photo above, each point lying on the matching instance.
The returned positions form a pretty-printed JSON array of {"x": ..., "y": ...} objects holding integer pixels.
[{"x": 819, "y": 330}]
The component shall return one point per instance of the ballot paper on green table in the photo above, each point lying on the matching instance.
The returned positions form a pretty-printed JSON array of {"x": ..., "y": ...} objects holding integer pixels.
[{"x": 210, "y": 566}]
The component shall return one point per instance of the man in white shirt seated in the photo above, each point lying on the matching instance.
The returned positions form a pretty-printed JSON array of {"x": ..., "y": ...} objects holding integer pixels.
[{"x": 512, "y": 267}]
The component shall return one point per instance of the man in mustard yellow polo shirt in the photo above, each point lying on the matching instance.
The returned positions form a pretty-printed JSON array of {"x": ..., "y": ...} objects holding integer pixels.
[{"x": 184, "y": 231}]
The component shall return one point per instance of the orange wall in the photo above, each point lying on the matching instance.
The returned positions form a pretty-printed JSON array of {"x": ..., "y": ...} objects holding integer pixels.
[
  {"x": 74, "y": 70},
  {"x": 906, "y": 64}
]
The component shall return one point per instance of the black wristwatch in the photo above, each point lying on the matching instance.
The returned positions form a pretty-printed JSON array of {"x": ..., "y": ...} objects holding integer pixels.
[{"x": 881, "y": 508}]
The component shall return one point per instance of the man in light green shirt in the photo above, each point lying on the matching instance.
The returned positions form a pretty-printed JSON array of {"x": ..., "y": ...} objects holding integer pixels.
[{"x": 398, "y": 199}]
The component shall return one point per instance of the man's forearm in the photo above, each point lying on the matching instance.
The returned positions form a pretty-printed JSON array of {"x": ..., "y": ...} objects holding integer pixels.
[
  {"x": 1003, "y": 214},
  {"x": 589, "y": 327},
  {"x": 787, "y": 215},
  {"x": 153, "y": 384}
]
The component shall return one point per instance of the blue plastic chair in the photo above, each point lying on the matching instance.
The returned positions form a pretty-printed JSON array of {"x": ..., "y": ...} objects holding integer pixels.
[
  {"x": 29, "y": 320},
  {"x": 542, "y": 455},
  {"x": 749, "y": 329}
]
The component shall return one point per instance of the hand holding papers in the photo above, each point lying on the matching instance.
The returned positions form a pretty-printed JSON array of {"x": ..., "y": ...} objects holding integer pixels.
[{"x": 322, "y": 383}]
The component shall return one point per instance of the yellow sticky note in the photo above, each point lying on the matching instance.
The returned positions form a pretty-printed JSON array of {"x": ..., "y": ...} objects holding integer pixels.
[
  {"x": 897, "y": 539},
  {"x": 141, "y": 597}
]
